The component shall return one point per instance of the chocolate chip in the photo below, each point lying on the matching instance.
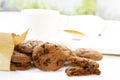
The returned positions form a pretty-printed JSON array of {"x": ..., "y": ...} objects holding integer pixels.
[
  {"x": 46, "y": 51},
  {"x": 46, "y": 62},
  {"x": 59, "y": 62},
  {"x": 56, "y": 46},
  {"x": 85, "y": 67},
  {"x": 17, "y": 64},
  {"x": 35, "y": 57},
  {"x": 43, "y": 46}
]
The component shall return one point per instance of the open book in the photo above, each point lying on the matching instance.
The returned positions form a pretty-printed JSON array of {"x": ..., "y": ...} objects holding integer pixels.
[{"x": 101, "y": 35}]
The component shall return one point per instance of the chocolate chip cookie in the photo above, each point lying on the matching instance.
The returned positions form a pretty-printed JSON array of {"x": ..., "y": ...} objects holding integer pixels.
[
  {"x": 48, "y": 57},
  {"x": 79, "y": 71},
  {"x": 88, "y": 53},
  {"x": 83, "y": 62},
  {"x": 21, "y": 57},
  {"x": 27, "y": 46}
]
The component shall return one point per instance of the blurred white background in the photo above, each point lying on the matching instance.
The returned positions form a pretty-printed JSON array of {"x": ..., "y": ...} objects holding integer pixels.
[{"x": 108, "y": 9}]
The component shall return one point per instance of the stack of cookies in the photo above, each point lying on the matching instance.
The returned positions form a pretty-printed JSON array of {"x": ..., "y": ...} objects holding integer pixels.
[
  {"x": 84, "y": 62},
  {"x": 82, "y": 66},
  {"x": 51, "y": 57},
  {"x": 22, "y": 55}
]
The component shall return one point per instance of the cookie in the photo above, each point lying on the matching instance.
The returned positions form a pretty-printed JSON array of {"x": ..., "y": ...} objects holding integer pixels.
[
  {"x": 21, "y": 57},
  {"x": 20, "y": 66},
  {"x": 83, "y": 62},
  {"x": 27, "y": 46},
  {"x": 88, "y": 53},
  {"x": 68, "y": 52},
  {"x": 79, "y": 71},
  {"x": 48, "y": 57}
]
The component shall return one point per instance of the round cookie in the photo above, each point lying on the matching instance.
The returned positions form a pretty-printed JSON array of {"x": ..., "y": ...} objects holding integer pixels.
[
  {"x": 20, "y": 66},
  {"x": 48, "y": 57},
  {"x": 27, "y": 46},
  {"x": 21, "y": 57},
  {"x": 88, "y": 53}
]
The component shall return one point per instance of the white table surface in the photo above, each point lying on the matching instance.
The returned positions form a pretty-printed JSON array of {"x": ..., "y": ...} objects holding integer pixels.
[
  {"x": 109, "y": 67},
  {"x": 12, "y": 22}
]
